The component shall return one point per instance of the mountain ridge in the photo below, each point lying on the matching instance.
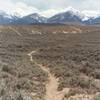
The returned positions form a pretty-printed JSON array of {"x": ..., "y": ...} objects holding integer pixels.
[{"x": 70, "y": 16}]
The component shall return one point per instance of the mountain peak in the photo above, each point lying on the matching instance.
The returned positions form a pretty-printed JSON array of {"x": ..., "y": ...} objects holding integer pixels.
[
  {"x": 34, "y": 14},
  {"x": 71, "y": 9}
]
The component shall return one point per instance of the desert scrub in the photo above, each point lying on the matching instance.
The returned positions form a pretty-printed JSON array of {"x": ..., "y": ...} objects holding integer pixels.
[
  {"x": 96, "y": 73},
  {"x": 74, "y": 81},
  {"x": 20, "y": 97},
  {"x": 9, "y": 69},
  {"x": 96, "y": 97},
  {"x": 71, "y": 92},
  {"x": 6, "y": 68}
]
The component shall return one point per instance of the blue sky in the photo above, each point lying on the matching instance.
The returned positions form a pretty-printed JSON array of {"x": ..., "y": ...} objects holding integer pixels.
[{"x": 47, "y": 7}]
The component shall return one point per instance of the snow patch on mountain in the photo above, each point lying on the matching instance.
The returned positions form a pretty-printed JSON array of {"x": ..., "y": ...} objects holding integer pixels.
[{"x": 91, "y": 13}]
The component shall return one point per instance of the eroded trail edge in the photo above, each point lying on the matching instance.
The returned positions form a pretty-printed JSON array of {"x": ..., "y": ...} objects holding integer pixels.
[{"x": 52, "y": 85}]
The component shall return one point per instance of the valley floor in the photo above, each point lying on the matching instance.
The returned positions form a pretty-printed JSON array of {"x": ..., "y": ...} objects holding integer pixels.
[{"x": 57, "y": 62}]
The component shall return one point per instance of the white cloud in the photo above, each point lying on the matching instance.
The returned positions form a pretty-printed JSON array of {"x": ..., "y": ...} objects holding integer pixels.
[
  {"x": 51, "y": 12},
  {"x": 91, "y": 13},
  {"x": 90, "y": 5},
  {"x": 18, "y": 8},
  {"x": 78, "y": 4}
]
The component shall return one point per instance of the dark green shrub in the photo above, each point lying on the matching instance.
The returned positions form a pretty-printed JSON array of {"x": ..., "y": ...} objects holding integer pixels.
[
  {"x": 96, "y": 73},
  {"x": 84, "y": 83},
  {"x": 6, "y": 68}
]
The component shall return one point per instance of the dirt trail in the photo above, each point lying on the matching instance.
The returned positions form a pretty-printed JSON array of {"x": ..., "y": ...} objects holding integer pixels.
[
  {"x": 18, "y": 33},
  {"x": 52, "y": 85}
]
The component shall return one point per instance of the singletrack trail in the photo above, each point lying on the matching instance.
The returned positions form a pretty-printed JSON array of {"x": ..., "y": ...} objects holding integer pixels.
[{"x": 52, "y": 85}]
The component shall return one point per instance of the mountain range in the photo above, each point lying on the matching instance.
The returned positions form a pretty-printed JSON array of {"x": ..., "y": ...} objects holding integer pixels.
[{"x": 70, "y": 16}]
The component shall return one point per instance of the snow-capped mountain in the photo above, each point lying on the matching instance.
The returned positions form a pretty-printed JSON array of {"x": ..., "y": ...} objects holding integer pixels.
[
  {"x": 73, "y": 16},
  {"x": 31, "y": 19},
  {"x": 70, "y": 16},
  {"x": 93, "y": 21},
  {"x": 4, "y": 18},
  {"x": 7, "y": 18},
  {"x": 96, "y": 20}
]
